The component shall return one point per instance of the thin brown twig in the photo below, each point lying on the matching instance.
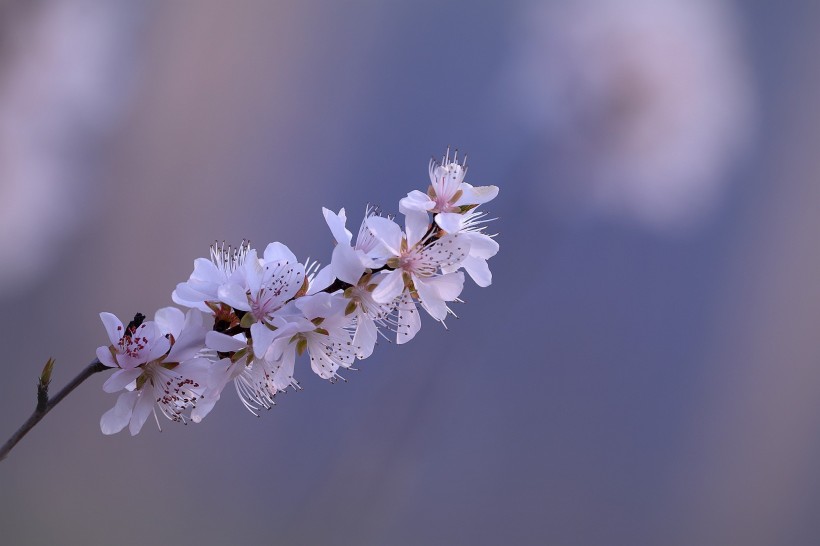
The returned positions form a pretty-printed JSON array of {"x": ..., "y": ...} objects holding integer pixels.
[{"x": 42, "y": 409}]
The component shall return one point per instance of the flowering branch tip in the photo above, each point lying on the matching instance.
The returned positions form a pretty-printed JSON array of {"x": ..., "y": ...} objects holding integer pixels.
[{"x": 253, "y": 313}]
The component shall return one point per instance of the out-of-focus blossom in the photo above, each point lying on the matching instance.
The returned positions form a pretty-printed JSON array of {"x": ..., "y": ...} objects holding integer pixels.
[
  {"x": 63, "y": 82},
  {"x": 645, "y": 104}
]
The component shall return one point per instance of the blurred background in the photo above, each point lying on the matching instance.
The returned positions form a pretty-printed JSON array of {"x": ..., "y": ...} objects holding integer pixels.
[{"x": 644, "y": 369}]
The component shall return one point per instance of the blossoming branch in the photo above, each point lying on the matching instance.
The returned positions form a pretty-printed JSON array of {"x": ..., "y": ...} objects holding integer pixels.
[{"x": 252, "y": 315}]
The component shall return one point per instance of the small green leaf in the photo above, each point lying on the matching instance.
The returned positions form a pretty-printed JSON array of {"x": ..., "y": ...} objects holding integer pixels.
[
  {"x": 247, "y": 320},
  {"x": 45, "y": 376}
]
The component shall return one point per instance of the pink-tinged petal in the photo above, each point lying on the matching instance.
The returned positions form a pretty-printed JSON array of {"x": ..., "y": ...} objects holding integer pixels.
[
  {"x": 478, "y": 270},
  {"x": 277, "y": 252},
  {"x": 390, "y": 287},
  {"x": 386, "y": 231},
  {"x": 235, "y": 296},
  {"x": 105, "y": 357},
  {"x": 482, "y": 246},
  {"x": 431, "y": 300},
  {"x": 169, "y": 320},
  {"x": 415, "y": 225},
  {"x": 322, "y": 280},
  {"x": 223, "y": 342},
  {"x": 115, "y": 419},
  {"x": 476, "y": 195},
  {"x": 346, "y": 264},
  {"x": 262, "y": 338},
  {"x": 142, "y": 409},
  {"x": 113, "y": 327},
  {"x": 417, "y": 201},
  {"x": 121, "y": 379},
  {"x": 449, "y": 221},
  {"x": 409, "y": 322},
  {"x": 336, "y": 223},
  {"x": 365, "y": 337}
]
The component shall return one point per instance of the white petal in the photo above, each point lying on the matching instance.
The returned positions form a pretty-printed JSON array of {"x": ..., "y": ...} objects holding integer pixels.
[
  {"x": 346, "y": 264},
  {"x": 223, "y": 342},
  {"x": 191, "y": 338},
  {"x": 415, "y": 226},
  {"x": 283, "y": 368},
  {"x": 482, "y": 246},
  {"x": 206, "y": 272},
  {"x": 235, "y": 296},
  {"x": 158, "y": 345},
  {"x": 285, "y": 278},
  {"x": 262, "y": 338},
  {"x": 113, "y": 327},
  {"x": 416, "y": 200},
  {"x": 336, "y": 223},
  {"x": 218, "y": 376},
  {"x": 105, "y": 357},
  {"x": 478, "y": 270},
  {"x": 409, "y": 320},
  {"x": 186, "y": 296},
  {"x": 449, "y": 221},
  {"x": 447, "y": 251},
  {"x": 115, "y": 419},
  {"x": 431, "y": 300},
  {"x": 390, "y": 287},
  {"x": 321, "y": 305},
  {"x": 249, "y": 276},
  {"x": 365, "y": 338},
  {"x": 322, "y": 280},
  {"x": 476, "y": 195},
  {"x": 170, "y": 320},
  {"x": 386, "y": 231},
  {"x": 121, "y": 379},
  {"x": 277, "y": 252},
  {"x": 321, "y": 364},
  {"x": 448, "y": 286},
  {"x": 142, "y": 409}
]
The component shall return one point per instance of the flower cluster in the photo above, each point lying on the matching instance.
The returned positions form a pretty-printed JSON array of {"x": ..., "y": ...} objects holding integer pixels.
[{"x": 250, "y": 316}]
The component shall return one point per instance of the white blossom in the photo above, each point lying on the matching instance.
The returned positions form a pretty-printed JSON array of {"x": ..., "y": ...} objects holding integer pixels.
[
  {"x": 251, "y": 318},
  {"x": 417, "y": 260},
  {"x": 158, "y": 368}
]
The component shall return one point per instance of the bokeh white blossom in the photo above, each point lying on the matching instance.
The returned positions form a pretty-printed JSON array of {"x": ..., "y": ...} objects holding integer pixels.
[{"x": 645, "y": 105}]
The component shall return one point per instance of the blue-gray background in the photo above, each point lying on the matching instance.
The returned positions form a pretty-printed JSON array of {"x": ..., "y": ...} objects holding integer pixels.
[{"x": 623, "y": 381}]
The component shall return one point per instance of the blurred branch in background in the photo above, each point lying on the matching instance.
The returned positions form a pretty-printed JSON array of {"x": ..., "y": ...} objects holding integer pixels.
[{"x": 65, "y": 69}]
